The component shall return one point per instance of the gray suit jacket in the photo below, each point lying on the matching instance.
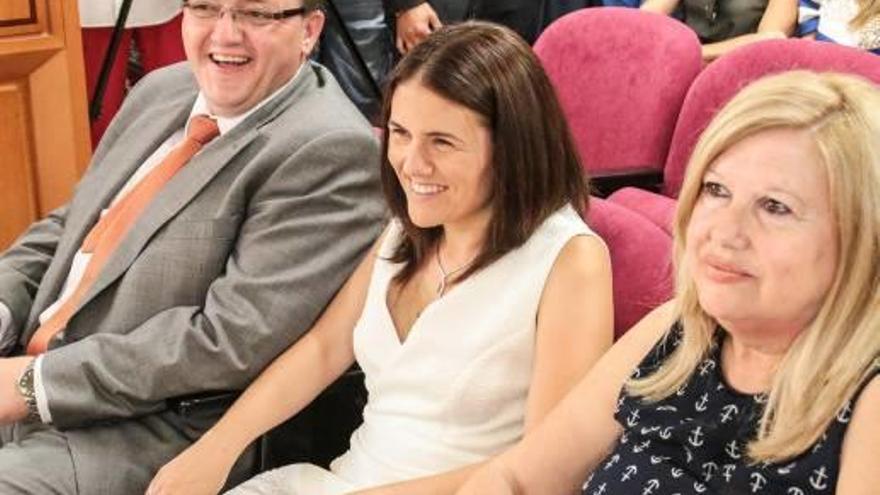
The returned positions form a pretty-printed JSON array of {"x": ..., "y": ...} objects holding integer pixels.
[{"x": 232, "y": 262}]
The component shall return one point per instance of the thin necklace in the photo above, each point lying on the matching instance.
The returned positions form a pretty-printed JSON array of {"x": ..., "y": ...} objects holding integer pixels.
[{"x": 444, "y": 275}]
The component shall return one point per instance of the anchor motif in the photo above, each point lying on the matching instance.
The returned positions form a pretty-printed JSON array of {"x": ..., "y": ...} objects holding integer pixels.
[
  {"x": 676, "y": 472},
  {"x": 690, "y": 456},
  {"x": 729, "y": 411},
  {"x": 758, "y": 482},
  {"x": 666, "y": 433},
  {"x": 699, "y": 487},
  {"x": 629, "y": 472},
  {"x": 709, "y": 470},
  {"x": 696, "y": 436},
  {"x": 795, "y": 491},
  {"x": 624, "y": 438},
  {"x": 667, "y": 408},
  {"x": 612, "y": 461},
  {"x": 601, "y": 489},
  {"x": 651, "y": 486},
  {"x": 820, "y": 442},
  {"x": 727, "y": 471},
  {"x": 633, "y": 418},
  {"x": 700, "y": 405},
  {"x": 646, "y": 430},
  {"x": 786, "y": 470},
  {"x": 817, "y": 479},
  {"x": 657, "y": 459},
  {"x": 706, "y": 366},
  {"x": 732, "y": 450},
  {"x": 845, "y": 414},
  {"x": 639, "y": 448}
]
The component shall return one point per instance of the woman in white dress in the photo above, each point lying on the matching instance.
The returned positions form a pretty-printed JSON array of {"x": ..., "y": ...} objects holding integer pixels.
[{"x": 484, "y": 301}]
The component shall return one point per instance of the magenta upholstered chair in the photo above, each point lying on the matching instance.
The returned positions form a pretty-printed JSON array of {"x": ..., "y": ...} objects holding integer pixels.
[
  {"x": 727, "y": 75},
  {"x": 640, "y": 261},
  {"x": 621, "y": 76}
]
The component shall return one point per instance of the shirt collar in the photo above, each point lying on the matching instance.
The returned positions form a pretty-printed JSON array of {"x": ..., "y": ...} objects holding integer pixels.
[{"x": 226, "y": 124}]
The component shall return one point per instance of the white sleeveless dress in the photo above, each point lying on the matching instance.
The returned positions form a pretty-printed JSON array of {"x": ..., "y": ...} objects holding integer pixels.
[{"x": 454, "y": 392}]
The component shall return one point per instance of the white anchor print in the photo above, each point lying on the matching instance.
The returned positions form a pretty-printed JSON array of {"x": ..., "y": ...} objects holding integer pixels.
[
  {"x": 666, "y": 433},
  {"x": 817, "y": 479},
  {"x": 690, "y": 456},
  {"x": 657, "y": 459},
  {"x": 732, "y": 449},
  {"x": 794, "y": 491},
  {"x": 727, "y": 471},
  {"x": 696, "y": 437},
  {"x": 676, "y": 473},
  {"x": 629, "y": 472},
  {"x": 647, "y": 430},
  {"x": 633, "y": 418},
  {"x": 639, "y": 448},
  {"x": 611, "y": 462},
  {"x": 667, "y": 408},
  {"x": 820, "y": 443},
  {"x": 758, "y": 482},
  {"x": 587, "y": 483},
  {"x": 601, "y": 489},
  {"x": 709, "y": 470},
  {"x": 701, "y": 404},
  {"x": 624, "y": 438},
  {"x": 706, "y": 367},
  {"x": 699, "y": 487},
  {"x": 651, "y": 486},
  {"x": 845, "y": 414},
  {"x": 786, "y": 470},
  {"x": 728, "y": 412}
]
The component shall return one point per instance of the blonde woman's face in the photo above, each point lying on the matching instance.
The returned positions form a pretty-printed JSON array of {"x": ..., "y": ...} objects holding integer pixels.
[{"x": 761, "y": 243}]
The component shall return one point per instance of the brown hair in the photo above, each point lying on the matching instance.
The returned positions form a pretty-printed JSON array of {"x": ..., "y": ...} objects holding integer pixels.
[
  {"x": 535, "y": 166},
  {"x": 310, "y": 5}
]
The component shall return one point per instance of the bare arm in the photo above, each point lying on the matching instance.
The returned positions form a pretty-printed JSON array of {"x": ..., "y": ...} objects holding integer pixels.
[
  {"x": 861, "y": 446},
  {"x": 574, "y": 328},
  {"x": 778, "y": 22},
  {"x": 581, "y": 430},
  {"x": 316, "y": 360}
]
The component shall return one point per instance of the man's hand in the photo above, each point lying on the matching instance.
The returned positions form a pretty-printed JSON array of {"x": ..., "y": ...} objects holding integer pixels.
[
  {"x": 12, "y": 405},
  {"x": 414, "y": 25}
]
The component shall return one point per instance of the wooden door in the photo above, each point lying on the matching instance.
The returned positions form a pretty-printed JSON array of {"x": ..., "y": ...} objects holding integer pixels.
[{"x": 44, "y": 135}]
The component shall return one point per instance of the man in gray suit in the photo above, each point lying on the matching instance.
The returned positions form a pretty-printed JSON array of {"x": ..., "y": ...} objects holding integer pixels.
[{"x": 230, "y": 261}]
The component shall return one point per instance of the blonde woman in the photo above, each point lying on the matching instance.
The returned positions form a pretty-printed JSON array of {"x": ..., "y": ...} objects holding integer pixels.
[
  {"x": 853, "y": 23},
  {"x": 761, "y": 375}
]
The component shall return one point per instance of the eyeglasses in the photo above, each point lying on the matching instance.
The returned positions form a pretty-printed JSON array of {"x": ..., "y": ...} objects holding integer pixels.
[{"x": 255, "y": 16}]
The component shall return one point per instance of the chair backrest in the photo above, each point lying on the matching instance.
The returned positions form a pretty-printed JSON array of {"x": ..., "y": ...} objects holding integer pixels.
[
  {"x": 723, "y": 78},
  {"x": 621, "y": 75},
  {"x": 641, "y": 262}
]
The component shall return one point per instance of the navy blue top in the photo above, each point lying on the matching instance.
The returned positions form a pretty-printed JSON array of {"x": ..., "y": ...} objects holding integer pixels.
[{"x": 694, "y": 440}]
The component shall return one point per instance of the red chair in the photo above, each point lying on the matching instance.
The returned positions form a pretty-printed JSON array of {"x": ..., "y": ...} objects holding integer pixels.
[
  {"x": 723, "y": 78},
  {"x": 716, "y": 85},
  {"x": 621, "y": 76},
  {"x": 641, "y": 263}
]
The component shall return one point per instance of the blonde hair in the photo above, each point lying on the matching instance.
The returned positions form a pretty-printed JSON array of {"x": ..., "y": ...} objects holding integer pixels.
[
  {"x": 836, "y": 352},
  {"x": 868, "y": 9}
]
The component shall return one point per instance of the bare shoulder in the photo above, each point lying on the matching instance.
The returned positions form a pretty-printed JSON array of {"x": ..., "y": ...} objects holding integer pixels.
[{"x": 861, "y": 445}]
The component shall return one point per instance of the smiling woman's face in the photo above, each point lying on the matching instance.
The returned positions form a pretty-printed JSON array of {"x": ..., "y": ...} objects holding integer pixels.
[
  {"x": 761, "y": 242},
  {"x": 441, "y": 152}
]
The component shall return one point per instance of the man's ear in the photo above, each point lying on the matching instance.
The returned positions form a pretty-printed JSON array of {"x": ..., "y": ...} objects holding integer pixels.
[{"x": 314, "y": 24}]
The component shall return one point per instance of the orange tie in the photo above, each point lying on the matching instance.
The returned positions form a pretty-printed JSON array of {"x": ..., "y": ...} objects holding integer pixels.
[{"x": 109, "y": 231}]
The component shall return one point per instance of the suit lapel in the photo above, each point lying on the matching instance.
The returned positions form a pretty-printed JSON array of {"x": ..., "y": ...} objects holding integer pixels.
[
  {"x": 194, "y": 176},
  {"x": 139, "y": 140}
]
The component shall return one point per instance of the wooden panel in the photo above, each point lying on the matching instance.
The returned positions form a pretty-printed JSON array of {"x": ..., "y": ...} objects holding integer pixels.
[
  {"x": 23, "y": 16},
  {"x": 16, "y": 162},
  {"x": 44, "y": 141},
  {"x": 17, "y": 12}
]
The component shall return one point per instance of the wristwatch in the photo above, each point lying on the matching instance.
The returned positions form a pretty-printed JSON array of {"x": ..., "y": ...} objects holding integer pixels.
[{"x": 26, "y": 389}]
